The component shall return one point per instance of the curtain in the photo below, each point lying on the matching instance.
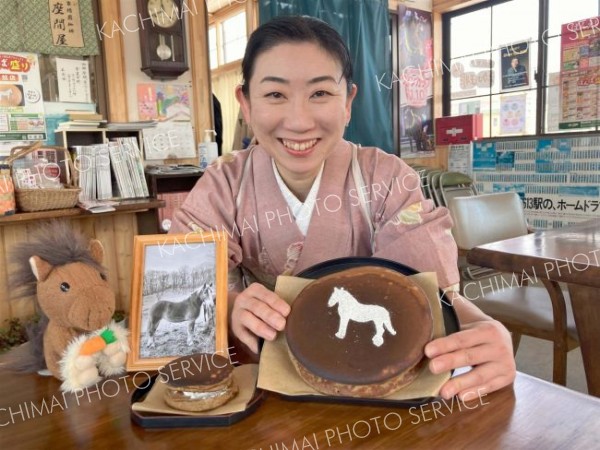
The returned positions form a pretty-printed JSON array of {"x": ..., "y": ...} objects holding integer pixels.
[
  {"x": 223, "y": 86},
  {"x": 364, "y": 25},
  {"x": 27, "y": 26}
]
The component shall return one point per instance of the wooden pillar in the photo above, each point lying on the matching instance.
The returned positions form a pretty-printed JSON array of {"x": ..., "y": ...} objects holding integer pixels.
[
  {"x": 251, "y": 16},
  {"x": 200, "y": 67},
  {"x": 113, "y": 52}
]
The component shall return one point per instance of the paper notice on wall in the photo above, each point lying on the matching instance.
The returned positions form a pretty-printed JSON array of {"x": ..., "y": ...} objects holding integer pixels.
[
  {"x": 21, "y": 105},
  {"x": 512, "y": 114},
  {"x": 73, "y": 80},
  {"x": 169, "y": 140},
  {"x": 459, "y": 159}
]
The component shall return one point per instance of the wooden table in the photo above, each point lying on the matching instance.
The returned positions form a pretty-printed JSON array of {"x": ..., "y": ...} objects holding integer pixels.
[
  {"x": 570, "y": 255},
  {"x": 533, "y": 414}
]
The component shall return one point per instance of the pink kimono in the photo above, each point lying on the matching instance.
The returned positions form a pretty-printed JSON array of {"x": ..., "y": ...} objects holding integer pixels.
[{"x": 369, "y": 203}]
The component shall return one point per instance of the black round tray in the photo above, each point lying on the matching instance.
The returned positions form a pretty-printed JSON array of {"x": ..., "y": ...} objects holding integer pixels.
[{"x": 156, "y": 420}]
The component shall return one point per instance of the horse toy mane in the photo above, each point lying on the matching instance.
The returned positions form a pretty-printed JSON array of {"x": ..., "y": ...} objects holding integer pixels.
[{"x": 75, "y": 338}]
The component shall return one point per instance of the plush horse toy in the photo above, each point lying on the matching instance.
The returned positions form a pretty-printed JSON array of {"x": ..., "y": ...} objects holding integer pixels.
[{"x": 76, "y": 303}]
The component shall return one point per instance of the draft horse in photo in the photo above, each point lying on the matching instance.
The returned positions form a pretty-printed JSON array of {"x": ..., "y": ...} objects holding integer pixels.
[{"x": 187, "y": 310}]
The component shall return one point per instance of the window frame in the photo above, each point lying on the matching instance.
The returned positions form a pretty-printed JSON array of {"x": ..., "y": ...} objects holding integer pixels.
[
  {"x": 540, "y": 76},
  {"x": 216, "y": 20}
]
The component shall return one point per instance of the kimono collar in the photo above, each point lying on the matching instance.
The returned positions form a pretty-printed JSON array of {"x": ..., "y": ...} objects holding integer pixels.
[{"x": 302, "y": 211}]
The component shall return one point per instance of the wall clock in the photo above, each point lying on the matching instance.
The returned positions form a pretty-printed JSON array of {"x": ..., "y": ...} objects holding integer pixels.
[{"x": 162, "y": 39}]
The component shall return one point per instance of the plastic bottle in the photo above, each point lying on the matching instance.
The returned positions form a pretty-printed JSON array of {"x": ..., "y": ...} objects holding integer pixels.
[{"x": 208, "y": 150}]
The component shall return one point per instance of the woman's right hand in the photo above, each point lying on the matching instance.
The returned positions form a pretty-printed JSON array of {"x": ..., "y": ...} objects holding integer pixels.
[{"x": 258, "y": 312}]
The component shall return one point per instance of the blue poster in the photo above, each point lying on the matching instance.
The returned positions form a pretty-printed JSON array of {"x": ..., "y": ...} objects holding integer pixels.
[{"x": 484, "y": 156}]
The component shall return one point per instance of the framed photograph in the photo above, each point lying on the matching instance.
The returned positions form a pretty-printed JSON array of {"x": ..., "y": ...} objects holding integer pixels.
[{"x": 178, "y": 298}]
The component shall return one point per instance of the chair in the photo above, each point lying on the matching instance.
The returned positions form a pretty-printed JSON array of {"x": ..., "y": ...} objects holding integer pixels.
[
  {"x": 455, "y": 184},
  {"x": 422, "y": 172},
  {"x": 433, "y": 178},
  {"x": 542, "y": 312}
]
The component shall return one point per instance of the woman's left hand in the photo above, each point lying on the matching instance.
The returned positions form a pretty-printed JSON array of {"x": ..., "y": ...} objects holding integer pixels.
[{"x": 484, "y": 344}]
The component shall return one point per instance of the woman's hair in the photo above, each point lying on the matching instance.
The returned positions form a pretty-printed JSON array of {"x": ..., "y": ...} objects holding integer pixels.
[{"x": 295, "y": 29}]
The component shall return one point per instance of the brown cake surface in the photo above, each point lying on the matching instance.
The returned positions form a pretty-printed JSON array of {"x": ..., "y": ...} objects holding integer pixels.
[{"x": 360, "y": 357}]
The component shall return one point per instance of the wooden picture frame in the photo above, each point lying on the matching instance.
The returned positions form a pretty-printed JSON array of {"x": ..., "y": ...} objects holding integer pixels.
[{"x": 176, "y": 277}]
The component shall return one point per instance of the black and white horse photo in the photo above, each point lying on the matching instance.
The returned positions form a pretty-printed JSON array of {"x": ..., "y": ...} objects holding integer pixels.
[
  {"x": 178, "y": 305},
  {"x": 187, "y": 310}
]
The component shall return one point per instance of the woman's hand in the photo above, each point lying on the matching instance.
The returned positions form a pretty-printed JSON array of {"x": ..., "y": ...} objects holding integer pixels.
[
  {"x": 484, "y": 344},
  {"x": 258, "y": 312}
]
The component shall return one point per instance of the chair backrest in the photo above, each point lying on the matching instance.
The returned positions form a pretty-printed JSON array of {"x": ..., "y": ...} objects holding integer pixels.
[
  {"x": 428, "y": 182},
  {"x": 434, "y": 188},
  {"x": 461, "y": 191},
  {"x": 455, "y": 184},
  {"x": 486, "y": 218},
  {"x": 455, "y": 179}
]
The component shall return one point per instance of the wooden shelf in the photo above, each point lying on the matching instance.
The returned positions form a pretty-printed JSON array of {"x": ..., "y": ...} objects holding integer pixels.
[{"x": 125, "y": 206}]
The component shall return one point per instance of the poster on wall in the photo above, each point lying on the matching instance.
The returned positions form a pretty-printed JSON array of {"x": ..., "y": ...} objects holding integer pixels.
[
  {"x": 21, "y": 103},
  {"x": 514, "y": 64},
  {"x": 416, "y": 83},
  {"x": 558, "y": 180},
  {"x": 580, "y": 74},
  {"x": 512, "y": 114},
  {"x": 163, "y": 101}
]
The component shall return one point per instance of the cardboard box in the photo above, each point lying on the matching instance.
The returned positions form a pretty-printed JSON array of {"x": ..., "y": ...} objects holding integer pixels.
[{"x": 458, "y": 129}]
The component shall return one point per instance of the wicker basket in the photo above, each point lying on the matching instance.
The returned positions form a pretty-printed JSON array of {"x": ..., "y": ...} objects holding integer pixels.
[{"x": 30, "y": 200}]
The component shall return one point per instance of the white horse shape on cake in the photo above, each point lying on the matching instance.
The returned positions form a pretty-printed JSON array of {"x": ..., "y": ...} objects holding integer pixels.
[{"x": 351, "y": 309}]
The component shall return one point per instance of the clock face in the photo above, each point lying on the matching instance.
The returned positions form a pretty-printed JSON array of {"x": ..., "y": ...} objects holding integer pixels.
[{"x": 163, "y": 13}]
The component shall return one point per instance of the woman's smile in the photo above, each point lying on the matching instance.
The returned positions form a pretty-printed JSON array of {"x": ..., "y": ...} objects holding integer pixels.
[{"x": 299, "y": 148}]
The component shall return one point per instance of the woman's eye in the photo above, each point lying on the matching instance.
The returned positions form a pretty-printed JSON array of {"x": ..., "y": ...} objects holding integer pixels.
[
  {"x": 320, "y": 94},
  {"x": 65, "y": 287},
  {"x": 103, "y": 276},
  {"x": 276, "y": 95}
]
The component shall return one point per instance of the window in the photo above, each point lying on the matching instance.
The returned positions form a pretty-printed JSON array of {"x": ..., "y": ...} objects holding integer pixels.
[
  {"x": 227, "y": 39},
  {"x": 212, "y": 47},
  {"x": 234, "y": 37},
  {"x": 502, "y": 59}
]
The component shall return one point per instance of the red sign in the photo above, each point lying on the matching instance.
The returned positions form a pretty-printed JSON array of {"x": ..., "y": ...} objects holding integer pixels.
[{"x": 458, "y": 129}]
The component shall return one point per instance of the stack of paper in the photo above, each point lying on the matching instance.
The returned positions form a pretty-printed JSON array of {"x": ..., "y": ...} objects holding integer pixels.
[
  {"x": 80, "y": 124},
  {"x": 129, "y": 146},
  {"x": 128, "y": 126},
  {"x": 114, "y": 169},
  {"x": 77, "y": 114},
  {"x": 85, "y": 165},
  {"x": 103, "y": 183},
  {"x": 124, "y": 185}
]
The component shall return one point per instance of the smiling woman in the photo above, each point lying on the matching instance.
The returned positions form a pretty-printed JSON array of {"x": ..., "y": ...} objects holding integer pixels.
[
  {"x": 296, "y": 116},
  {"x": 312, "y": 196}
]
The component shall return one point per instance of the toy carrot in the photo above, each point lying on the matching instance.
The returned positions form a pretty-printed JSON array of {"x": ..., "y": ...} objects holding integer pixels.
[{"x": 97, "y": 343}]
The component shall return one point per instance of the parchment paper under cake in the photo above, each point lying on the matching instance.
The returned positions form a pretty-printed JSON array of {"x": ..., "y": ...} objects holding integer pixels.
[
  {"x": 277, "y": 373},
  {"x": 244, "y": 376}
]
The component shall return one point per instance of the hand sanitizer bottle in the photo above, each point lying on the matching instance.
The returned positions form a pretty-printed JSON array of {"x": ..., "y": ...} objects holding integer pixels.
[{"x": 207, "y": 150}]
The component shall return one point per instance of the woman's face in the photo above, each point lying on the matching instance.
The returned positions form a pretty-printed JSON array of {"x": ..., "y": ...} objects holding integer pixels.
[{"x": 298, "y": 106}]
